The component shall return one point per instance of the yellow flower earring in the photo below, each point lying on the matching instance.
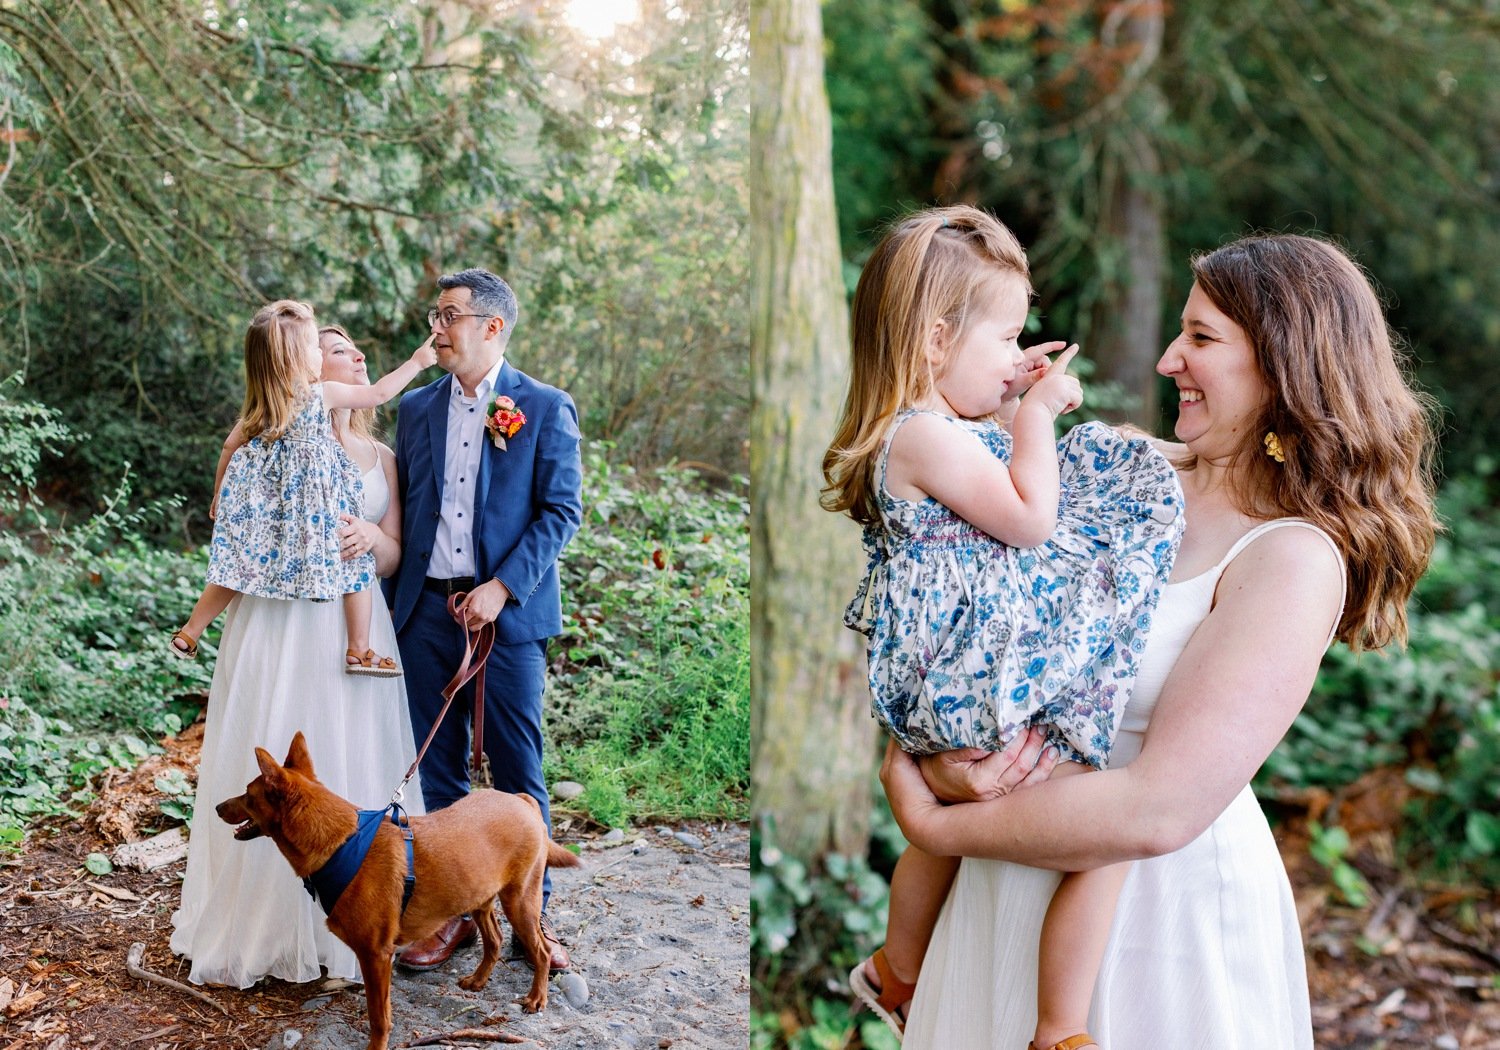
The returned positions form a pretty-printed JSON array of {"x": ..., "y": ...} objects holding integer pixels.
[{"x": 1273, "y": 447}]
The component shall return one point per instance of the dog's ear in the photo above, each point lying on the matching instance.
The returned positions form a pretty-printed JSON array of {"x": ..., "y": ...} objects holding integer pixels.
[
  {"x": 268, "y": 767},
  {"x": 297, "y": 757}
]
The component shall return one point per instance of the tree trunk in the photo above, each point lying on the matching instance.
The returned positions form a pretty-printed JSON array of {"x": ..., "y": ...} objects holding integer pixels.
[
  {"x": 812, "y": 740},
  {"x": 1126, "y": 328}
]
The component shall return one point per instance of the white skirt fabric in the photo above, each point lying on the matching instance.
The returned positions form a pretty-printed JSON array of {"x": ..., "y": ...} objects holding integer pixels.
[
  {"x": 1204, "y": 954},
  {"x": 244, "y": 915}
]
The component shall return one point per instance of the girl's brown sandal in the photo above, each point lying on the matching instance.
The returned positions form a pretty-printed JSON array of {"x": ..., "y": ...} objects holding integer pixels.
[
  {"x": 369, "y": 664},
  {"x": 1073, "y": 1042},
  {"x": 892, "y": 994}
]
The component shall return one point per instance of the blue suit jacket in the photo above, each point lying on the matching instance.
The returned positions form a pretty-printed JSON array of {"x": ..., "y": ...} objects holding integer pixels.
[{"x": 527, "y": 504}]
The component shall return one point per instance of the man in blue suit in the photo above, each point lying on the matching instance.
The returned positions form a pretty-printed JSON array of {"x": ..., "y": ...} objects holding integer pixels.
[{"x": 485, "y": 513}]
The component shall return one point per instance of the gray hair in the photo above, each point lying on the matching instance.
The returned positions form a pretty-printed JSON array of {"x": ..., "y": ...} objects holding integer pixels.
[{"x": 488, "y": 294}]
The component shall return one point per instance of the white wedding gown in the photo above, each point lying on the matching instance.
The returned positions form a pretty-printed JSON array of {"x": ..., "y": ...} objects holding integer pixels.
[
  {"x": 244, "y": 915},
  {"x": 1205, "y": 952}
]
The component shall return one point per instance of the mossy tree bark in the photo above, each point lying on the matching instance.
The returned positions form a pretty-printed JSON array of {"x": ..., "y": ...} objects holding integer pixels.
[
  {"x": 1126, "y": 330},
  {"x": 812, "y": 741}
]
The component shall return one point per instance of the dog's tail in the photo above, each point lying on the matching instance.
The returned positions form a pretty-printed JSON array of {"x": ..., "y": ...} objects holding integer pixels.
[
  {"x": 557, "y": 856},
  {"x": 560, "y": 856}
]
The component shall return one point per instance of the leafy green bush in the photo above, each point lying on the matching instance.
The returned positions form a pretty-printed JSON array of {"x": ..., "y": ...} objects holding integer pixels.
[
  {"x": 84, "y": 674},
  {"x": 83, "y": 608},
  {"x": 649, "y": 705},
  {"x": 808, "y": 929}
]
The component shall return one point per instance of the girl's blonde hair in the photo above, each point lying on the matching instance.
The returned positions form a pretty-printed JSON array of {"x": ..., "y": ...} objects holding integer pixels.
[
  {"x": 361, "y": 420},
  {"x": 277, "y": 370},
  {"x": 1355, "y": 436},
  {"x": 934, "y": 265}
]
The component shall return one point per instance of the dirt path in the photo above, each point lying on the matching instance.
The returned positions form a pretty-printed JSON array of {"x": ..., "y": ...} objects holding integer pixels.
[
  {"x": 659, "y": 934},
  {"x": 657, "y": 920}
]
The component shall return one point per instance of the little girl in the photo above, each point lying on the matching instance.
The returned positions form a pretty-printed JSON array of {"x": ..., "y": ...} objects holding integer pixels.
[
  {"x": 1006, "y": 589},
  {"x": 283, "y": 481}
]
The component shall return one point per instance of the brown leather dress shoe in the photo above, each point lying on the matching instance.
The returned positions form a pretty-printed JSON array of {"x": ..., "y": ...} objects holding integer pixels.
[
  {"x": 559, "y": 960},
  {"x": 431, "y": 952}
]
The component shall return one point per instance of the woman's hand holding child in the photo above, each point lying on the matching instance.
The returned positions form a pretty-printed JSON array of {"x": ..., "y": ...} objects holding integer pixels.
[
  {"x": 975, "y": 775},
  {"x": 356, "y": 536}
]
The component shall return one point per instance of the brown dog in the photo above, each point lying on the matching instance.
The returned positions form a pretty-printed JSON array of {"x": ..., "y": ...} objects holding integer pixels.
[{"x": 488, "y": 845}]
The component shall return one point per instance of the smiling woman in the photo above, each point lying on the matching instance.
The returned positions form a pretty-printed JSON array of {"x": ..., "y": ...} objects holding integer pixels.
[
  {"x": 1219, "y": 387},
  {"x": 1280, "y": 556}
]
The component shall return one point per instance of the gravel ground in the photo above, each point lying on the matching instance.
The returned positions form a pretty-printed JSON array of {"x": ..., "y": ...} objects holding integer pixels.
[{"x": 658, "y": 926}]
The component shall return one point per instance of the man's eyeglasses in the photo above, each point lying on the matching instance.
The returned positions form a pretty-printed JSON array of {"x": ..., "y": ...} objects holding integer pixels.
[{"x": 445, "y": 318}]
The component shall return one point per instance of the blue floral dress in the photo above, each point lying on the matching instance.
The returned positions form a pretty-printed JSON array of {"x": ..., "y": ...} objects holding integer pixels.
[
  {"x": 276, "y": 533},
  {"x": 972, "y": 641}
]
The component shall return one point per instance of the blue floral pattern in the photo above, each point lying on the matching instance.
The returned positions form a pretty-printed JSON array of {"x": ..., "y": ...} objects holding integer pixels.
[
  {"x": 276, "y": 533},
  {"x": 972, "y": 641}
]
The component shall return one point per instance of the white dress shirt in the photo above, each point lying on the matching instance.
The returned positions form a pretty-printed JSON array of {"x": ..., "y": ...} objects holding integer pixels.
[{"x": 453, "y": 551}]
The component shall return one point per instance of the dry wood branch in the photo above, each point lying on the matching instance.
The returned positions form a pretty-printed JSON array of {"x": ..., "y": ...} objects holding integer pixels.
[
  {"x": 133, "y": 967},
  {"x": 1458, "y": 940},
  {"x": 477, "y": 1035}
]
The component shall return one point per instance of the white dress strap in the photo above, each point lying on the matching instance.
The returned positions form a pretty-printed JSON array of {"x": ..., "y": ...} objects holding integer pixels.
[{"x": 1269, "y": 526}]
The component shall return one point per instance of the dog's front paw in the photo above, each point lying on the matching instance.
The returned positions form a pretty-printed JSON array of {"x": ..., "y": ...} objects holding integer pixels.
[
  {"x": 473, "y": 982},
  {"x": 535, "y": 1003}
]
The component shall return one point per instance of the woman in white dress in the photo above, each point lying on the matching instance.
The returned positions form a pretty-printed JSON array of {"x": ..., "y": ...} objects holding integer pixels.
[
  {"x": 244, "y": 915},
  {"x": 1305, "y": 463}
]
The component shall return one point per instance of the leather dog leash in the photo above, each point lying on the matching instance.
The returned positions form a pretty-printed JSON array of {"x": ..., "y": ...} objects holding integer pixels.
[{"x": 477, "y": 646}]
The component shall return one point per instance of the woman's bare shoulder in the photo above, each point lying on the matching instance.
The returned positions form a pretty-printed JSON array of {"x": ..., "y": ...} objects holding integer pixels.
[{"x": 1296, "y": 568}]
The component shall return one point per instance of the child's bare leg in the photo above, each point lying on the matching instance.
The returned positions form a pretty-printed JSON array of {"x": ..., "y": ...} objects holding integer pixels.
[
  {"x": 919, "y": 885},
  {"x": 1074, "y": 936},
  {"x": 206, "y": 610},
  {"x": 357, "y": 622},
  {"x": 360, "y": 659}
]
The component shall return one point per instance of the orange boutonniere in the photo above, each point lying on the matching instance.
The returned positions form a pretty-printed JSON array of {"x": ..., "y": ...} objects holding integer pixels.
[{"x": 502, "y": 420}]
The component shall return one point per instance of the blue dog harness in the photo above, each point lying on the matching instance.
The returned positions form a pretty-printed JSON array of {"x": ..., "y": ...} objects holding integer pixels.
[{"x": 327, "y": 884}]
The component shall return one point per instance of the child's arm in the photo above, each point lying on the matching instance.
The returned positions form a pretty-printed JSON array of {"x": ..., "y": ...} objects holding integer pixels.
[
  {"x": 1033, "y": 461},
  {"x": 1017, "y": 505},
  {"x": 346, "y": 395},
  {"x": 232, "y": 444}
]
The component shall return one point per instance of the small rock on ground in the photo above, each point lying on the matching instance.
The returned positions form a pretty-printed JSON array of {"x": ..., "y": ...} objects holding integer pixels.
[{"x": 574, "y": 989}]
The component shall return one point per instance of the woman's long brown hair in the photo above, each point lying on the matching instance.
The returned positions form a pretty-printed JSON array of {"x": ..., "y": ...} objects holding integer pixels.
[
  {"x": 1356, "y": 436},
  {"x": 932, "y": 266}
]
